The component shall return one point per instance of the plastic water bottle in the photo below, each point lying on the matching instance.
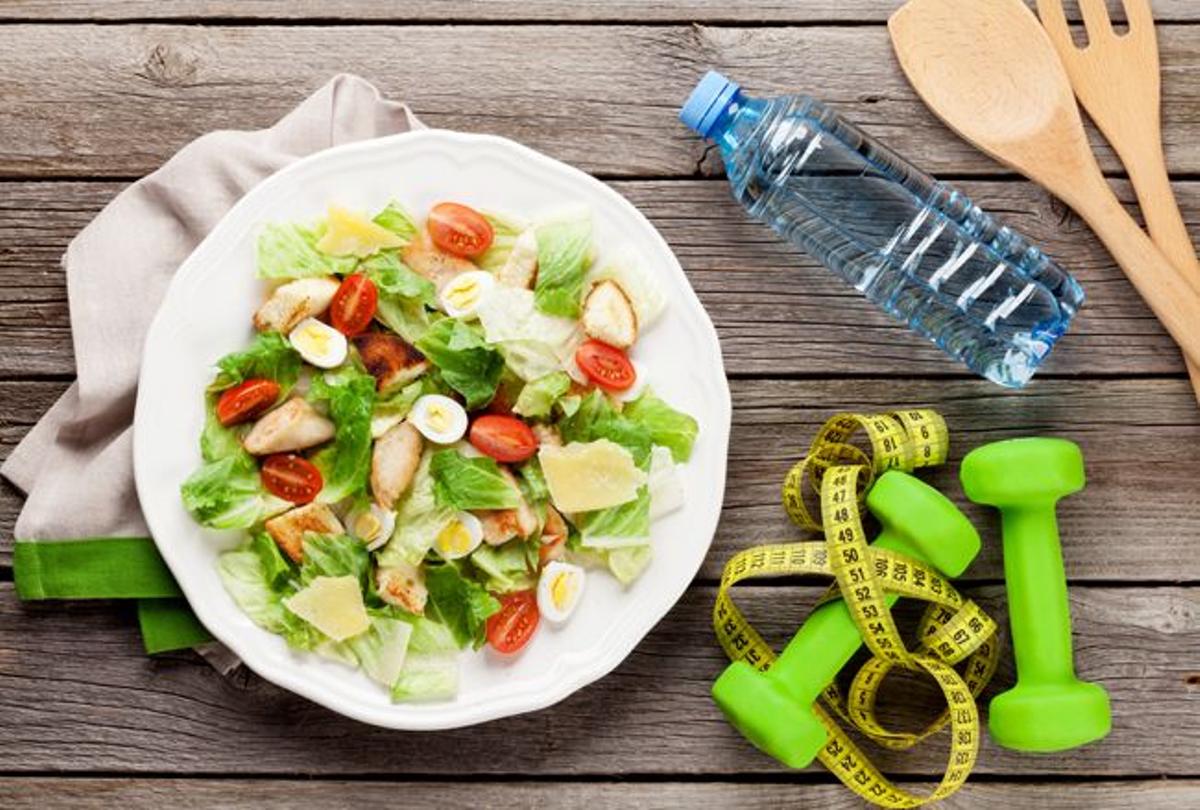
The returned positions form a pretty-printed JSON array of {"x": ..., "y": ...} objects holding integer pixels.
[{"x": 917, "y": 248}]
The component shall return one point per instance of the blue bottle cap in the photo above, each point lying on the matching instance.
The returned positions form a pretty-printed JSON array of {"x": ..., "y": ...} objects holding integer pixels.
[{"x": 706, "y": 103}]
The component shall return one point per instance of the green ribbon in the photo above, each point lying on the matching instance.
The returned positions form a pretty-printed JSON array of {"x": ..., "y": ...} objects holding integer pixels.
[{"x": 111, "y": 568}]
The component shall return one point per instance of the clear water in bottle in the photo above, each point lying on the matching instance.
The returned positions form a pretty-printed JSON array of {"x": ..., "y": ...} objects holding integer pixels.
[{"x": 917, "y": 248}]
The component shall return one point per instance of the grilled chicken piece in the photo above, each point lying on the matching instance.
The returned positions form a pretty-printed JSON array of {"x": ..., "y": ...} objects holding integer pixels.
[
  {"x": 502, "y": 525},
  {"x": 426, "y": 260},
  {"x": 554, "y": 537},
  {"x": 394, "y": 462},
  {"x": 293, "y": 302},
  {"x": 609, "y": 317},
  {"x": 288, "y": 529},
  {"x": 403, "y": 585},
  {"x": 294, "y": 425},
  {"x": 391, "y": 361},
  {"x": 521, "y": 268}
]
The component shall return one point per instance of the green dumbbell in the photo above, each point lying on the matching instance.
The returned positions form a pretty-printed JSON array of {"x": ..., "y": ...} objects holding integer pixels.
[
  {"x": 774, "y": 709},
  {"x": 1049, "y": 709}
]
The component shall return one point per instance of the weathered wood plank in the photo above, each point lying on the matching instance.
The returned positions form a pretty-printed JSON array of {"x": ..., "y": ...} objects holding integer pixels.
[
  {"x": 776, "y": 310},
  {"x": 122, "y": 98},
  {"x": 276, "y": 794},
  {"x": 1136, "y": 521},
  {"x": 78, "y": 695},
  {"x": 768, "y": 11}
]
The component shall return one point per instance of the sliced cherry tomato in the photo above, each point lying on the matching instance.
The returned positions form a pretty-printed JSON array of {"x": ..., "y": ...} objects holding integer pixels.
[
  {"x": 246, "y": 401},
  {"x": 510, "y": 629},
  {"x": 606, "y": 366},
  {"x": 459, "y": 230},
  {"x": 291, "y": 477},
  {"x": 504, "y": 438},
  {"x": 354, "y": 305}
]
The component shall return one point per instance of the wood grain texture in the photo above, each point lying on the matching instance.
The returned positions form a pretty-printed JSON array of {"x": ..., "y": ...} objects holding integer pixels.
[
  {"x": 120, "y": 99},
  {"x": 37, "y": 793},
  {"x": 1136, "y": 521},
  {"x": 755, "y": 11},
  {"x": 776, "y": 310},
  {"x": 78, "y": 695}
]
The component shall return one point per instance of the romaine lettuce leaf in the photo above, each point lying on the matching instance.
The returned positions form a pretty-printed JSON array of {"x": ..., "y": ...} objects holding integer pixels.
[
  {"x": 665, "y": 485},
  {"x": 506, "y": 568},
  {"x": 403, "y": 295},
  {"x": 419, "y": 520},
  {"x": 397, "y": 220},
  {"x": 346, "y": 463},
  {"x": 564, "y": 248},
  {"x": 381, "y": 651},
  {"x": 247, "y": 580},
  {"x": 334, "y": 555},
  {"x": 618, "y": 526},
  {"x": 470, "y": 483},
  {"x": 644, "y": 292},
  {"x": 287, "y": 251},
  {"x": 389, "y": 410},
  {"x": 538, "y": 397},
  {"x": 533, "y": 343},
  {"x": 216, "y": 440},
  {"x": 468, "y": 364},
  {"x": 505, "y": 232},
  {"x": 665, "y": 425},
  {"x": 270, "y": 356},
  {"x": 427, "y": 676},
  {"x": 627, "y": 564},
  {"x": 228, "y": 494},
  {"x": 595, "y": 419},
  {"x": 460, "y": 603}
]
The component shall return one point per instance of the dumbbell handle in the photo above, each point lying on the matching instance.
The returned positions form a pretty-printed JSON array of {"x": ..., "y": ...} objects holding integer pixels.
[
  {"x": 828, "y": 639},
  {"x": 1038, "y": 611}
]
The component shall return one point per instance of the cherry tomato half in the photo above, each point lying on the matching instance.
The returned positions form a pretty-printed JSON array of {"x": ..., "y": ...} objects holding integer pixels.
[
  {"x": 246, "y": 401},
  {"x": 291, "y": 477},
  {"x": 606, "y": 366},
  {"x": 354, "y": 305},
  {"x": 459, "y": 230},
  {"x": 510, "y": 629},
  {"x": 504, "y": 438}
]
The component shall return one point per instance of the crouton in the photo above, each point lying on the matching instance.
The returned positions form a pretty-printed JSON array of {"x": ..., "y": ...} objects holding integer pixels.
[
  {"x": 389, "y": 359},
  {"x": 609, "y": 317}
]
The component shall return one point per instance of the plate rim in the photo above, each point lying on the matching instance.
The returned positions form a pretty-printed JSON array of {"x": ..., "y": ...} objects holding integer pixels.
[{"x": 293, "y": 679}]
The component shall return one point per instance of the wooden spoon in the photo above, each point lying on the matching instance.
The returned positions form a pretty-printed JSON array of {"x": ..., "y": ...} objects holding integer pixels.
[
  {"x": 990, "y": 72},
  {"x": 1117, "y": 80}
]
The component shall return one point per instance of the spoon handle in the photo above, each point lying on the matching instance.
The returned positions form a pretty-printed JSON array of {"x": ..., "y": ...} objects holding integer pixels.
[{"x": 1173, "y": 299}]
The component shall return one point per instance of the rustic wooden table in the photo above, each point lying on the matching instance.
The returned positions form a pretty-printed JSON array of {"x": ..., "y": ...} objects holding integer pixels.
[{"x": 96, "y": 94}]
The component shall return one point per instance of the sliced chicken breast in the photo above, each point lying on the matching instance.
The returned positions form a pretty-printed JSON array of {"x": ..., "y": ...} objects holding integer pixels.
[
  {"x": 403, "y": 585},
  {"x": 394, "y": 462},
  {"x": 294, "y": 425},
  {"x": 293, "y": 302},
  {"x": 433, "y": 264},
  {"x": 521, "y": 268},
  {"x": 288, "y": 529}
]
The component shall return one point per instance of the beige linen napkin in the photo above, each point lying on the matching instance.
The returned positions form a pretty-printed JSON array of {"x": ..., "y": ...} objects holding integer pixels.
[{"x": 76, "y": 464}]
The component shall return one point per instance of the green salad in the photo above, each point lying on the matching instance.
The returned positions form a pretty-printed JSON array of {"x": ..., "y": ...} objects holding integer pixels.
[{"x": 435, "y": 437}]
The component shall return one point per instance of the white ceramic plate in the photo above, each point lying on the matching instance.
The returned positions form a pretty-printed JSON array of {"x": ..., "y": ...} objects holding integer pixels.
[{"x": 206, "y": 314}]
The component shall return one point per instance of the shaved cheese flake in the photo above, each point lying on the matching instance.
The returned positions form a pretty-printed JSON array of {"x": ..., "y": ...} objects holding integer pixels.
[
  {"x": 585, "y": 477},
  {"x": 351, "y": 234},
  {"x": 333, "y": 605}
]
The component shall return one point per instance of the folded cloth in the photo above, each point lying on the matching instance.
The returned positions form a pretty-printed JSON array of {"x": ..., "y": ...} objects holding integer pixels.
[{"x": 76, "y": 464}]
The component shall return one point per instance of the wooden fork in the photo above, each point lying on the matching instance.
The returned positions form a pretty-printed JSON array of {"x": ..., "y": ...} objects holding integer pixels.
[{"x": 1117, "y": 79}]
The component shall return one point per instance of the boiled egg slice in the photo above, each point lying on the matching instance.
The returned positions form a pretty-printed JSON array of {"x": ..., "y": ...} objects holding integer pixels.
[
  {"x": 461, "y": 296},
  {"x": 460, "y": 537},
  {"x": 319, "y": 343},
  {"x": 439, "y": 419},
  {"x": 559, "y": 589},
  {"x": 371, "y": 524}
]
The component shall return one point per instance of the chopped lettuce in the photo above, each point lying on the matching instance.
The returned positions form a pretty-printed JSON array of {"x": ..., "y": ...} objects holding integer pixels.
[
  {"x": 533, "y": 481},
  {"x": 289, "y": 251},
  {"x": 618, "y": 526},
  {"x": 471, "y": 483},
  {"x": 507, "y": 568},
  {"x": 270, "y": 356},
  {"x": 533, "y": 343},
  {"x": 666, "y": 487},
  {"x": 666, "y": 426},
  {"x": 403, "y": 295},
  {"x": 334, "y": 555},
  {"x": 391, "y": 409},
  {"x": 228, "y": 494},
  {"x": 564, "y": 248},
  {"x": 397, "y": 220},
  {"x": 429, "y": 675},
  {"x": 346, "y": 463},
  {"x": 252, "y": 587},
  {"x": 505, "y": 232},
  {"x": 595, "y": 418},
  {"x": 460, "y": 603},
  {"x": 216, "y": 440},
  {"x": 538, "y": 396},
  {"x": 467, "y": 363},
  {"x": 419, "y": 520},
  {"x": 629, "y": 271},
  {"x": 627, "y": 564},
  {"x": 381, "y": 651}
]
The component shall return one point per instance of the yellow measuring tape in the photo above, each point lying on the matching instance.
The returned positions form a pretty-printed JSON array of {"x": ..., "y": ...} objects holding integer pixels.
[{"x": 953, "y": 630}]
